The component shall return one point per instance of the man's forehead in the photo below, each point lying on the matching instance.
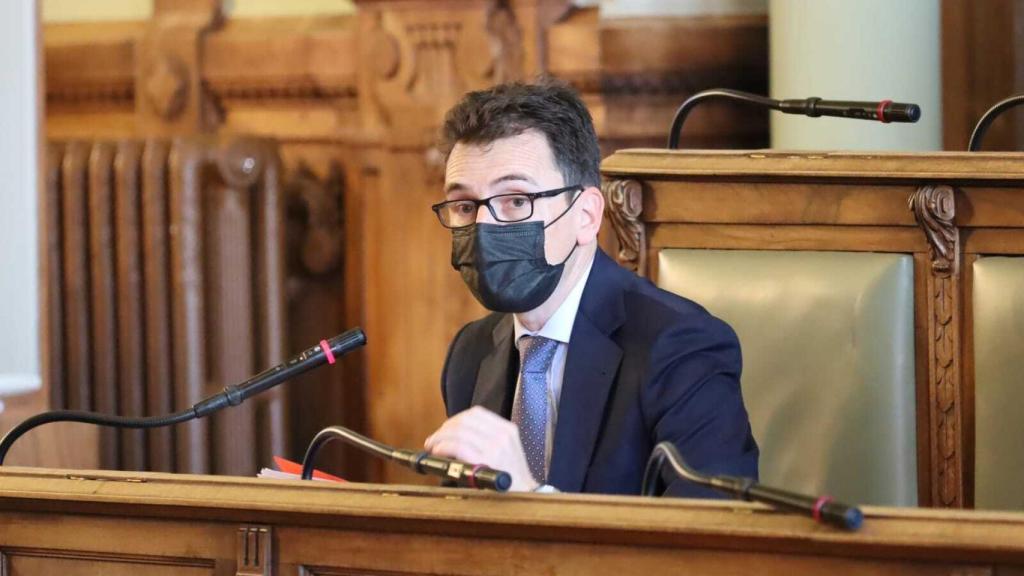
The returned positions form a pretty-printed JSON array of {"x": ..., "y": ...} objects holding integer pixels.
[{"x": 525, "y": 157}]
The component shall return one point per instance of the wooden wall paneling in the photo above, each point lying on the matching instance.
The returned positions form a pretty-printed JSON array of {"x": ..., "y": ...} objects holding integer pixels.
[
  {"x": 74, "y": 214},
  {"x": 130, "y": 304},
  {"x": 155, "y": 246},
  {"x": 982, "y": 63}
]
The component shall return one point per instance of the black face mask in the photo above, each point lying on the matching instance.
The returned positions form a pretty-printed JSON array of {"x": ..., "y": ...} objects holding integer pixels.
[{"x": 504, "y": 265}]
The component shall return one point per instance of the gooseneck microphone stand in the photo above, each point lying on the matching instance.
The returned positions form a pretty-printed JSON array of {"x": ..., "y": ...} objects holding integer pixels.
[
  {"x": 461, "y": 473},
  {"x": 822, "y": 509},
  {"x": 325, "y": 352},
  {"x": 986, "y": 119},
  {"x": 884, "y": 111}
]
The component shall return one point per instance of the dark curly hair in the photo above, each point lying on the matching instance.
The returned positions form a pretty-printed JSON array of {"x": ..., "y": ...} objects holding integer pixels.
[{"x": 548, "y": 106}]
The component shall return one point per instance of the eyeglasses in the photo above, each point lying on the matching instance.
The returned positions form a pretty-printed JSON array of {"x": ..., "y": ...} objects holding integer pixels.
[{"x": 503, "y": 207}]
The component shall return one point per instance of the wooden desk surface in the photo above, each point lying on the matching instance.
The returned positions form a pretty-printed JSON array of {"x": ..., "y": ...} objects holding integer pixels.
[{"x": 71, "y": 522}]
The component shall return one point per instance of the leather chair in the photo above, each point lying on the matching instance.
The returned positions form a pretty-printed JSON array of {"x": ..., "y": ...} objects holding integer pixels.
[{"x": 828, "y": 348}]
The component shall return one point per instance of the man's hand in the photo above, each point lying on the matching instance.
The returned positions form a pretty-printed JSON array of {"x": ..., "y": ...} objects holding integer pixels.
[{"x": 479, "y": 436}]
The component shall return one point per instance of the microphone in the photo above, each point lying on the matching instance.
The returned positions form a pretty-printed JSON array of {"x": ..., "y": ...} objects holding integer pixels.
[
  {"x": 822, "y": 509},
  {"x": 461, "y": 473},
  {"x": 326, "y": 352},
  {"x": 885, "y": 111}
]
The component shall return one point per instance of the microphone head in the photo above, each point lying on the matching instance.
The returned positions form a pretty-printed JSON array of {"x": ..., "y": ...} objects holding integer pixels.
[
  {"x": 900, "y": 112},
  {"x": 346, "y": 341}
]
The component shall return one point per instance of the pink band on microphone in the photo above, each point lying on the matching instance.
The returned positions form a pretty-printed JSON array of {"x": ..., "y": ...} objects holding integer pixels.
[
  {"x": 818, "y": 505},
  {"x": 881, "y": 111},
  {"x": 472, "y": 474},
  {"x": 327, "y": 352}
]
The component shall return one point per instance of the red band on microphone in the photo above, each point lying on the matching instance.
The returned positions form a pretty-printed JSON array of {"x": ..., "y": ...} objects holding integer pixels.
[
  {"x": 472, "y": 475},
  {"x": 327, "y": 352},
  {"x": 818, "y": 505},
  {"x": 881, "y": 111}
]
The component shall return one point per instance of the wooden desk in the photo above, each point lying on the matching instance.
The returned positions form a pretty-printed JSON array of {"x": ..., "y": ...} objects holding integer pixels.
[{"x": 75, "y": 522}]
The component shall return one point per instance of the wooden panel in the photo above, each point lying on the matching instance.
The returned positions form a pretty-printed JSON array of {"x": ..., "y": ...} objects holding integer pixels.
[
  {"x": 342, "y": 529},
  {"x": 981, "y": 65},
  {"x": 40, "y": 563},
  {"x": 773, "y": 237},
  {"x": 701, "y": 201}
]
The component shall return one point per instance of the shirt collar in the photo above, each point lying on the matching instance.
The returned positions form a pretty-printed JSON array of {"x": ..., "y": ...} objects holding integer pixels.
[{"x": 559, "y": 326}]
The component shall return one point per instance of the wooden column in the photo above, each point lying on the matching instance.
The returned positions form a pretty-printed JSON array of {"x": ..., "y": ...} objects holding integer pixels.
[{"x": 934, "y": 208}]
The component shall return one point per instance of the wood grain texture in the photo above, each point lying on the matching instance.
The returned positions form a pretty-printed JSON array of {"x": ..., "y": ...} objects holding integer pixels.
[{"x": 343, "y": 529}]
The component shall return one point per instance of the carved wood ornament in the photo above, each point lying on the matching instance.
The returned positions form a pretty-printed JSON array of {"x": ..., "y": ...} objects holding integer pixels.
[
  {"x": 316, "y": 217},
  {"x": 624, "y": 204},
  {"x": 171, "y": 96},
  {"x": 934, "y": 208}
]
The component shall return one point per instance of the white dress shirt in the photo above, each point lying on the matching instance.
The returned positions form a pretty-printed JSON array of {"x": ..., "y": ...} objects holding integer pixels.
[{"x": 558, "y": 328}]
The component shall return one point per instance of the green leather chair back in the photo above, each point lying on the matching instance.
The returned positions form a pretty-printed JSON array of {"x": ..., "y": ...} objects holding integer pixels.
[
  {"x": 998, "y": 303},
  {"x": 828, "y": 349}
]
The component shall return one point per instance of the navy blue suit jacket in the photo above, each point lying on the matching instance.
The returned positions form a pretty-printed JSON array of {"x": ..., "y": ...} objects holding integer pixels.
[{"x": 643, "y": 366}]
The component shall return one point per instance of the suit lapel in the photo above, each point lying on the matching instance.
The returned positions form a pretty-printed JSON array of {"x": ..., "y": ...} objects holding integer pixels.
[
  {"x": 493, "y": 382},
  {"x": 590, "y": 369}
]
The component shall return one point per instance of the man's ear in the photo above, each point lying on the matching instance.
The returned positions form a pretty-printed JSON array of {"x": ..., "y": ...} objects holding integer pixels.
[{"x": 591, "y": 211}]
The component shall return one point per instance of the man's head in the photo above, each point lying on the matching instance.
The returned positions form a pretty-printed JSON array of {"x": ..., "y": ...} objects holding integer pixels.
[
  {"x": 552, "y": 109},
  {"x": 523, "y": 140}
]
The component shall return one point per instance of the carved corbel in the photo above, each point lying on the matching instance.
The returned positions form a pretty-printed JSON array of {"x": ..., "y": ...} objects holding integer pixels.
[
  {"x": 316, "y": 219},
  {"x": 172, "y": 99},
  {"x": 934, "y": 207},
  {"x": 623, "y": 204}
]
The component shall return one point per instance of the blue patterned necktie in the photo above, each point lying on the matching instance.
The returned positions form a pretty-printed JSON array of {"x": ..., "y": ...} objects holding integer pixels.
[{"x": 530, "y": 409}]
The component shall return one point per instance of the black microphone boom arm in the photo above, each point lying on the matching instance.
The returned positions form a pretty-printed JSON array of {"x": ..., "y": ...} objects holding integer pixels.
[
  {"x": 461, "y": 473},
  {"x": 823, "y": 509},
  {"x": 232, "y": 395},
  {"x": 885, "y": 111}
]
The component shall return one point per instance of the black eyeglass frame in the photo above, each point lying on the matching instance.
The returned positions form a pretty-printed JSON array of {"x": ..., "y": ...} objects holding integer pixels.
[{"x": 533, "y": 197}]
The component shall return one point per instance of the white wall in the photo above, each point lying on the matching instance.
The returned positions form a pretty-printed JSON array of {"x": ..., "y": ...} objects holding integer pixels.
[
  {"x": 19, "y": 174},
  {"x": 856, "y": 50}
]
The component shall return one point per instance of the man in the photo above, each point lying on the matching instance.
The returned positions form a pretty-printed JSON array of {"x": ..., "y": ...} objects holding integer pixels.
[{"x": 583, "y": 367}]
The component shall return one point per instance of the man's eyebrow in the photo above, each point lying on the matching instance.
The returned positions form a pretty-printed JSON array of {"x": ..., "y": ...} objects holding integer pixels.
[
  {"x": 514, "y": 177},
  {"x": 454, "y": 187}
]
